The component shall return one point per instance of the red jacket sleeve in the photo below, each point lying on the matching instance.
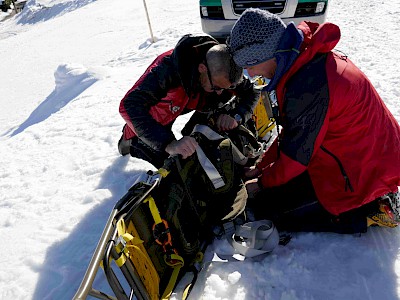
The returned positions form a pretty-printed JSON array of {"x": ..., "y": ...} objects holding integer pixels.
[{"x": 281, "y": 171}]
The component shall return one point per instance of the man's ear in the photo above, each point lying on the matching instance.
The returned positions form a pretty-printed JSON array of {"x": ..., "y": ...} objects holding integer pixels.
[{"x": 202, "y": 68}]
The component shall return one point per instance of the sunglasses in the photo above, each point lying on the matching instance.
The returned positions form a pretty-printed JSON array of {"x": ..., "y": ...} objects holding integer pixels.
[{"x": 213, "y": 87}]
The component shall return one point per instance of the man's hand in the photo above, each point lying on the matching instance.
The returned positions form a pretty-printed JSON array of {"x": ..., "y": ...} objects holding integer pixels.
[
  {"x": 186, "y": 146},
  {"x": 252, "y": 187},
  {"x": 226, "y": 122}
]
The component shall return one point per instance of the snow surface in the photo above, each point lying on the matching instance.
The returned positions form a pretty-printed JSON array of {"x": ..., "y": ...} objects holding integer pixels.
[{"x": 65, "y": 66}]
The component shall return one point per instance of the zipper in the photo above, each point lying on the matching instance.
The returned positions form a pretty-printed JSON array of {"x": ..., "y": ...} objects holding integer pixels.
[
  {"x": 347, "y": 184},
  {"x": 172, "y": 108}
]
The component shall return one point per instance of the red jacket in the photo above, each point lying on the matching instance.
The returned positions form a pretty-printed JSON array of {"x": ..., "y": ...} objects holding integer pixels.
[
  {"x": 336, "y": 127},
  {"x": 170, "y": 87},
  {"x": 169, "y": 107}
]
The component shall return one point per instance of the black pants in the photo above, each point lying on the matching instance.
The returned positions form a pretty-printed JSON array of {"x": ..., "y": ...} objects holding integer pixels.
[
  {"x": 141, "y": 150},
  {"x": 295, "y": 207}
]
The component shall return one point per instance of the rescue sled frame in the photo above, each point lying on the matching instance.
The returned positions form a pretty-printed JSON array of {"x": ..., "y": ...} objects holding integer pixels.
[{"x": 105, "y": 248}]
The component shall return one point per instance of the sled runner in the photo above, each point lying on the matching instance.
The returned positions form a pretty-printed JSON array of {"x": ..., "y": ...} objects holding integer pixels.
[{"x": 143, "y": 252}]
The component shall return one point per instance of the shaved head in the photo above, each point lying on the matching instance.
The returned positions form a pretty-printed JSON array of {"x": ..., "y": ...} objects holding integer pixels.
[{"x": 221, "y": 62}]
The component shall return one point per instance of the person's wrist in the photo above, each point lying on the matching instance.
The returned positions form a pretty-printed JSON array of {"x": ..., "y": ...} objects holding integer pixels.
[{"x": 169, "y": 147}]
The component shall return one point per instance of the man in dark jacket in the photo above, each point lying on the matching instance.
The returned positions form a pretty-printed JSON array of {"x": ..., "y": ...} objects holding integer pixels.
[
  {"x": 198, "y": 74},
  {"x": 338, "y": 164}
]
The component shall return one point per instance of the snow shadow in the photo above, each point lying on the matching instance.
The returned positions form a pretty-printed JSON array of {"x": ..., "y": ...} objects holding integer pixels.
[
  {"x": 66, "y": 261},
  {"x": 37, "y": 11},
  {"x": 71, "y": 81}
]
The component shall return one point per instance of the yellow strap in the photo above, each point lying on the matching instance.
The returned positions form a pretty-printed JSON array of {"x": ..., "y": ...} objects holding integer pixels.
[
  {"x": 267, "y": 127},
  {"x": 135, "y": 250},
  {"x": 120, "y": 248},
  {"x": 144, "y": 266},
  {"x": 102, "y": 265},
  {"x": 121, "y": 260},
  {"x": 163, "y": 172},
  {"x": 153, "y": 209},
  {"x": 128, "y": 238},
  {"x": 199, "y": 257},
  {"x": 185, "y": 293},
  {"x": 125, "y": 251},
  {"x": 177, "y": 260},
  {"x": 174, "y": 276},
  {"x": 176, "y": 263}
]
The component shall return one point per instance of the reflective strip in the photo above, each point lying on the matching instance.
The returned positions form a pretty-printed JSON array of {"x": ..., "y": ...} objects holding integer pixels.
[
  {"x": 207, "y": 132},
  {"x": 210, "y": 169},
  {"x": 207, "y": 165},
  {"x": 255, "y": 238}
]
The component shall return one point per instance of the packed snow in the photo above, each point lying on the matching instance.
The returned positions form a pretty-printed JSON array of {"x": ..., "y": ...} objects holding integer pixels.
[{"x": 65, "y": 66}]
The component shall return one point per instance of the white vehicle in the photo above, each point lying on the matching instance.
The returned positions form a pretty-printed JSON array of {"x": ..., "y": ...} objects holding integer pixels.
[{"x": 218, "y": 16}]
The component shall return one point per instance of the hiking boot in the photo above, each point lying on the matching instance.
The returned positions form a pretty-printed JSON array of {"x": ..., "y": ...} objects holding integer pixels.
[
  {"x": 384, "y": 217},
  {"x": 124, "y": 146}
]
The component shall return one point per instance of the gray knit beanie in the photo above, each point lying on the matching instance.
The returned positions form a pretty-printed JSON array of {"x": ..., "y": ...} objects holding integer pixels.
[{"x": 255, "y": 37}]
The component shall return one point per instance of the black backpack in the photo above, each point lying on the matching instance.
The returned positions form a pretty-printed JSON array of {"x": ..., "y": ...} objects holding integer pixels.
[{"x": 193, "y": 203}]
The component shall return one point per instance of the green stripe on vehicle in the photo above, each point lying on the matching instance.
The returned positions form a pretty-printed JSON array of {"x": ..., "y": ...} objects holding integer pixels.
[
  {"x": 210, "y": 3},
  {"x": 305, "y": 1}
]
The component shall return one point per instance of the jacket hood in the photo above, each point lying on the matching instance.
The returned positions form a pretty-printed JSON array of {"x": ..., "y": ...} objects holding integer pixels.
[
  {"x": 316, "y": 38},
  {"x": 287, "y": 53},
  {"x": 319, "y": 38}
]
